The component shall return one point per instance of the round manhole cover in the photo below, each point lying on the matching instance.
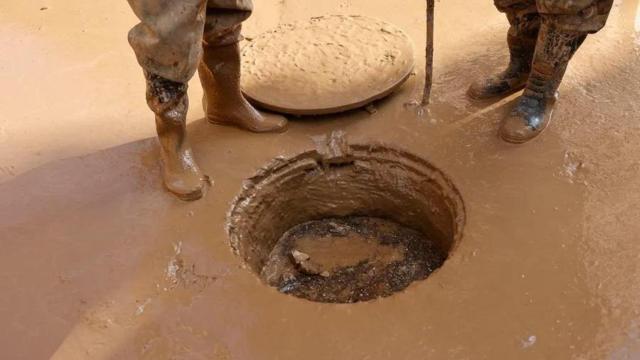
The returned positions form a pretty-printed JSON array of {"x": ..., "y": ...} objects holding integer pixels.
[{"x": 325, "y": 65}]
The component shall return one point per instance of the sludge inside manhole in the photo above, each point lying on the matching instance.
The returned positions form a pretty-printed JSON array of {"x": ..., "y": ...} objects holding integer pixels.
[{"x": 345, "y": 224}]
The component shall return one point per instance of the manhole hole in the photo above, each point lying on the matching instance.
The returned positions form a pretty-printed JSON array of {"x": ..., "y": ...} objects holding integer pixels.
[{"x": 346, "y": 223}]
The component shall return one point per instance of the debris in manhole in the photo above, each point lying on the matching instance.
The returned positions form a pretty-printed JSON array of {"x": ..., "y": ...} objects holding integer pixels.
[{"x": 346, "y": 260}]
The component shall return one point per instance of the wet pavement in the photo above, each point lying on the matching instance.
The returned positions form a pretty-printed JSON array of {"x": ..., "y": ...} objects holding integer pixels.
[{"x": 100, "y": 262}]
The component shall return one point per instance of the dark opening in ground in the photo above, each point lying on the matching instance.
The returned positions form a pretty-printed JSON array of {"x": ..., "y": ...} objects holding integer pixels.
[{"x": 345, "y": 224}]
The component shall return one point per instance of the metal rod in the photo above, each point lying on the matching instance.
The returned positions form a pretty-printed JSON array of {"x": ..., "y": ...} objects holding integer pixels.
[{"x": 428, "y": 73}]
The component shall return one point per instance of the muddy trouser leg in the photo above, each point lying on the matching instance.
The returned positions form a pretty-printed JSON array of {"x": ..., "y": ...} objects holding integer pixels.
[
  {"x": 167, "y": 43},
  {"x": 565, "y": 26},
  {"x": 521, "y": 39},
  {"x": 563, "y": 30},
  {"x": 555, "y": 49},
  {"x": 220, "y": 70}
]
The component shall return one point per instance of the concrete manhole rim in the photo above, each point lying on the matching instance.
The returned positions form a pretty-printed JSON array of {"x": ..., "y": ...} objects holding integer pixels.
[{"x": 334, "y": 153}]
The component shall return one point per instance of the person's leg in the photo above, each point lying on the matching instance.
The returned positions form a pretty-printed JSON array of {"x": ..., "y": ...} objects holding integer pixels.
[
  {"x": 564, "y": 28},
  {"x": 521, "y": 39},
  {"x": 167, "y": 45},
  {"x": 168, "y": 100},
  {"x": 220, "y": 70}
]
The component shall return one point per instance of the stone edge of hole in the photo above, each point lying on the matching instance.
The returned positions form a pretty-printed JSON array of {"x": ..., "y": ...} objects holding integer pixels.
[{"x": 316, "y": 159}]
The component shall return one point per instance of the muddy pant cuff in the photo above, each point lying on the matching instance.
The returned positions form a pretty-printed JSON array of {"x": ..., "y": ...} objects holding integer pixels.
[{"x": 576, "y": 23}]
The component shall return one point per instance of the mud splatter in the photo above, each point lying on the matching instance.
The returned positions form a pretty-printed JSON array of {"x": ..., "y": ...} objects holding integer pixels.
[{"x": 181, "y": 274}]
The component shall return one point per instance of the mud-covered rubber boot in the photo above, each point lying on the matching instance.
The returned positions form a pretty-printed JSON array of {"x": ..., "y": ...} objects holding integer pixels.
[
  {"x": 168, "y": 100},
  {"x": 514, "y": 77},
  {"x": 223, "y": 101},
  {"x": 533, "y": 112}
]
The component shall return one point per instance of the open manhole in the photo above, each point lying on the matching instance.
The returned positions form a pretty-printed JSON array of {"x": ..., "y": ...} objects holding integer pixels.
[{"x": 346, "y": 223}]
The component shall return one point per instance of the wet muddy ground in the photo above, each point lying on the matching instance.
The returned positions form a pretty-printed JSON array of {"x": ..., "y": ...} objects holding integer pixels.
[{"x": 99, "y": 262}]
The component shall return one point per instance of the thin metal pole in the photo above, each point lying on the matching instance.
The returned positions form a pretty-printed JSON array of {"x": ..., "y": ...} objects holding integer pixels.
[{"x": 428, "y": 73}]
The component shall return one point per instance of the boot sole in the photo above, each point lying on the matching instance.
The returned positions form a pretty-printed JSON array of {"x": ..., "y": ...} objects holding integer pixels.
[
  {"x": 228, "y": 123},
  {"x": 232, "y": 124},
  {"x": 523, "y": 141},
  {"x": 192, "y": 196},
  {"x": 196, "y": 195}
]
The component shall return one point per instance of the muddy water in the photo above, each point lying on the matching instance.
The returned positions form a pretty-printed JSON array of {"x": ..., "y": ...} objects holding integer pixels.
[
  {"x": 99, "y": 262},
  {"x": 346, "y": 251},
  {"x": 351, "y": 259}
]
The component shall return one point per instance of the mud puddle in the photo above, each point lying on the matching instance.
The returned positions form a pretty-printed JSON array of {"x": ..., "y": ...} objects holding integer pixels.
[{"x": 352, "y": 259}]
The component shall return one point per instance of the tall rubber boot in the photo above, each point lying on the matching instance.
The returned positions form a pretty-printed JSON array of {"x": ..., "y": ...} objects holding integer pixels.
[
  {"x": 223, "y": 101},
  {"x": 168, "y": 100},
  {"x": 533, "y": 112},
  {"x": 522, "y": 44}
]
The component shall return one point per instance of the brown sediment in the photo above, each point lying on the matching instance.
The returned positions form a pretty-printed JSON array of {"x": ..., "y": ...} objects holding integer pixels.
[
  {"x": 326, "y": 65},
  {"x": 547, "y": 267},
  {"x": 337, "y": 243},
  {"x": 346, "y": 260}
]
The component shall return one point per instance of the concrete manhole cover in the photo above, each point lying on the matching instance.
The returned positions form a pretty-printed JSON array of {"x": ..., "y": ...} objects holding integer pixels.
[{"x": 326, "y": 65}]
